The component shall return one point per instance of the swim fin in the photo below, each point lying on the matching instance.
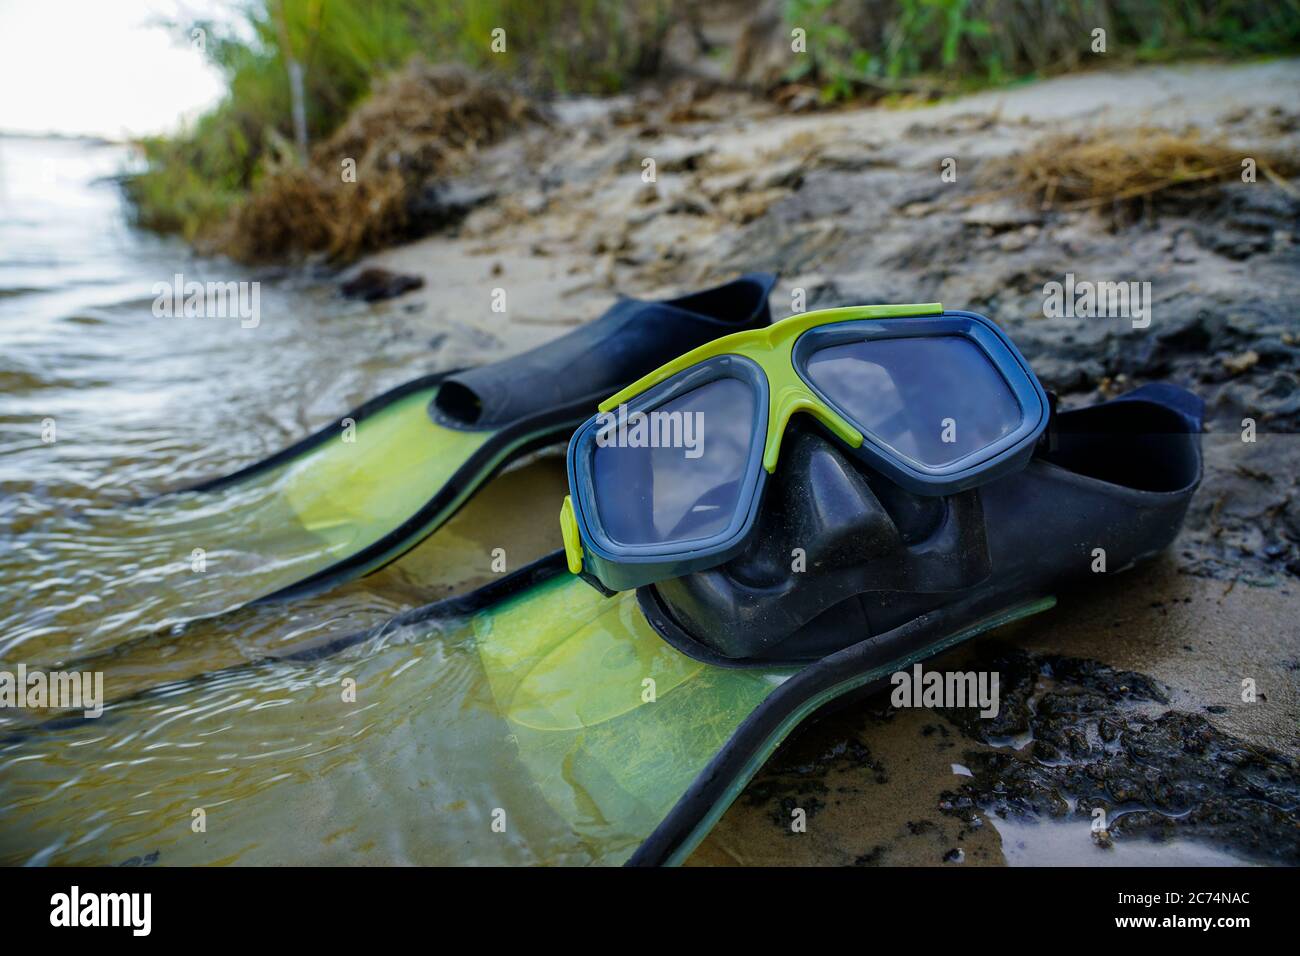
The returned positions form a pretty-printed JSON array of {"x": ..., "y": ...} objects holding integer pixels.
[
  {"x": 536, "y": 721},
  {"x": 363, "y": 490}
]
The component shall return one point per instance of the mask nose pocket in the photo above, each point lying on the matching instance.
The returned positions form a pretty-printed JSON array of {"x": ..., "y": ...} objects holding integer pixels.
[{"x": 829, "y": 531}]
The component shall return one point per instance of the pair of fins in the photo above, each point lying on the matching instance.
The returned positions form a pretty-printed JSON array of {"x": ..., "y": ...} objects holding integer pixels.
[
  {"x": 365, "y": 489},
  {"x": 536, "y": 721}
]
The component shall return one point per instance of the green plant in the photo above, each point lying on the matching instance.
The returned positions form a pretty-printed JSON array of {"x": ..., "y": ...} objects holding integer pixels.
[{"x": 878, "y": 46}]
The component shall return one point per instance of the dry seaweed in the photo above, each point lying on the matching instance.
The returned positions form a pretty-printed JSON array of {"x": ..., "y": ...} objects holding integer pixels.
[
  {"x": 1107, "y": 166},
  {"x": 423, "y": 123}
]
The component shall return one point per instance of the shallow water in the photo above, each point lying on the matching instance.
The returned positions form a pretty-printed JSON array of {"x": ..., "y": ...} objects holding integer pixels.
[
  {"x": 398, "y": 750},
  {"x": 492, "y": 739},
  {"x": 1048, "y": 843},
  {"x": 103, "y": 403}
]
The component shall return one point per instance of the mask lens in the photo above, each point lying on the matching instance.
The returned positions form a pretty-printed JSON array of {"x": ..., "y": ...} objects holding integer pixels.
[
  {"x": 674, "y": 473},
  {"x": 933, "y": 399}
]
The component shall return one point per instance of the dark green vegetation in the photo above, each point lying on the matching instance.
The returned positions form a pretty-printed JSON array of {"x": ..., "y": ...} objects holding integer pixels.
[
  {"x": 949, "y": 45},
  {"x": 196, "y": 183}
]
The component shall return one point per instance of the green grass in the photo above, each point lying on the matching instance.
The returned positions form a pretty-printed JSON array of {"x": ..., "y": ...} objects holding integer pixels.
[{"x": 857, "y": 47}]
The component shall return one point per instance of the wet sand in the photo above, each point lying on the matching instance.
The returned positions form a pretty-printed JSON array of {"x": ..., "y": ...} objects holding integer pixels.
[{"x": 884, "y": 787}]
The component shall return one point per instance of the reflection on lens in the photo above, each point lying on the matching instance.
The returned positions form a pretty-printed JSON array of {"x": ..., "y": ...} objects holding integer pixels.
[
  {"x": 933, "y": 399},
  {"x": 674, "y": 473}
]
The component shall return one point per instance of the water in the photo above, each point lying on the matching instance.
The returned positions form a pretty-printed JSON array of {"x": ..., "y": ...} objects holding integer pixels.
[
  {"x": 137, "y": 405},
  {"x": 406, "y": 747},
  {"x": 519, "y": 735},
  {"x": 1049, "y": 843},
  {"x": 102, "y": 404}
]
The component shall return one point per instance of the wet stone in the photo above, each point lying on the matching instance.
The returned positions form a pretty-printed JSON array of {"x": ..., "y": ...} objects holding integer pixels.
[{"x": 374, "y": 285}]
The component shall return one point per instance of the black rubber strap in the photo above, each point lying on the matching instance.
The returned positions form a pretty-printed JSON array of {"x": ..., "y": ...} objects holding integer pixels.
[{"x": 631, "y": 339}]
